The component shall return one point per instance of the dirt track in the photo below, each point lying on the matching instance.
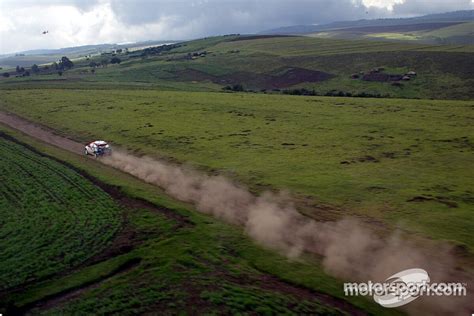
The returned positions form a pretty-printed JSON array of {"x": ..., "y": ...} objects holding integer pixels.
[{"x": 42, "y": 133}]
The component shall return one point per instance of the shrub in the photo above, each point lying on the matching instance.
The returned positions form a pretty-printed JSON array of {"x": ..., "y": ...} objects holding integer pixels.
[{"x": 115, "y": 60}]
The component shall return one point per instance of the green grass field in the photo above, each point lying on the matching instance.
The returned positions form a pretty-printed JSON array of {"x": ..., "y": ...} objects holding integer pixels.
[
  {"x": 400, "y": 161},
  {"x": 52, "y": 219},
  {"x": 423, "y": 33}
]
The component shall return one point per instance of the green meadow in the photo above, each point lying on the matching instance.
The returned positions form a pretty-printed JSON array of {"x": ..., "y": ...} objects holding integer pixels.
[{"x": 404, "y": 162}]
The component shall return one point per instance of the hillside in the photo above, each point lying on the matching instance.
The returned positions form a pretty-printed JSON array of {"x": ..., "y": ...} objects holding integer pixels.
[
  {"x": 43, "y": 56},
  {"x": 457, "y": 16},
  {"x": 445, "y": 28},
  {"x": 280, "y": 64}
]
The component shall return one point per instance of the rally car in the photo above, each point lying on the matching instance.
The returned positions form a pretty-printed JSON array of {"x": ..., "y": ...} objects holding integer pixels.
[{"x": 97, "y": 148}]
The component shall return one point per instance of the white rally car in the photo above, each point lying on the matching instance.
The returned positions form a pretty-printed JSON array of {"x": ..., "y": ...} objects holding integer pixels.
[{"x": 97, "y": 148}]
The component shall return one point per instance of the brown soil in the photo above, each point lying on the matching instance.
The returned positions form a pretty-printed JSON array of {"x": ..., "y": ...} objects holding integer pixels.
[
  {"x": 43, "y": 133},
  {"x": 381, "y": 77},
  {"x": 283, "y": 78},
  {"x": 439, "y": 199}
]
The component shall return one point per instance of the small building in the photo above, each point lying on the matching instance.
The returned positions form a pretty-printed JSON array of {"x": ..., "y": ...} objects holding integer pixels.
[
  {"x": 411, "y": 73},
  {"x": 406, "y": 78}
]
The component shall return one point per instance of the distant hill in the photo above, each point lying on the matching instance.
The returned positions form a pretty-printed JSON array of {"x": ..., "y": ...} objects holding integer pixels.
[
  {"x": 42, "y": 56},
  {"x": 278, "y": 64},
  {"x": 456, "y": 16}
]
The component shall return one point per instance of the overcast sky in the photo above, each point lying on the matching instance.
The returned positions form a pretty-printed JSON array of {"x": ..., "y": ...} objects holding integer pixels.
[{"x": 82, "y": 22}]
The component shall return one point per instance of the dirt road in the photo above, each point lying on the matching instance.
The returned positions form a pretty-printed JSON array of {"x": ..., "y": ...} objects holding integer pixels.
[{"x": 39, "y": 132}]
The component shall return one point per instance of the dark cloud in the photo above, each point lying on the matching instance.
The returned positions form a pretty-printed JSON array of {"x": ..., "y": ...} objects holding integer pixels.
[
  {"x": 238, "y": 16},
  {"x": 210, "y": 17}
]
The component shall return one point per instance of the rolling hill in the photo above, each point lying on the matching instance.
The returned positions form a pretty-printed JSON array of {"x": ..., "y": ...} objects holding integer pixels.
[
  {"x": 445, "y": 28},
  {"x": 43, "y": 56},
  {"x": 279, "y": 64}
]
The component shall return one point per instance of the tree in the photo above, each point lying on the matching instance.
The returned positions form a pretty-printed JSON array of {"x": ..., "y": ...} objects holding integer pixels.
[
  {"x": 6, "y": 74},
  {"x": 20, "y": 69},
  {"x": 115, "y": 60},
  {"x": 93, "y": 64},
  {"x": 65, "y": 63},
  {"x": 104, "y": 62},
  {"x": 55, "y": 65},
  {"x": 35, "y": 68},
  {"x": 60, "y": 73}
]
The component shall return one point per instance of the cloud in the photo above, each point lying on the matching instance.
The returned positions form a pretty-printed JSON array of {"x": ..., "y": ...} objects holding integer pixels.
[
  {"x": 383, "y": 4},
  {"x": 81, "y": 22},
  {"x": 420, "y": 7}
]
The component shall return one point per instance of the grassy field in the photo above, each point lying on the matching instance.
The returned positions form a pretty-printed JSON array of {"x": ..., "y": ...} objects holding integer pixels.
[
  {"x": 422, "y": 33},
  {"x": 401, "y": 162},
  {"x": 188, "y": 262},
  {"x": 268, "y": 63},
  {"x": 52, "y": 219}
]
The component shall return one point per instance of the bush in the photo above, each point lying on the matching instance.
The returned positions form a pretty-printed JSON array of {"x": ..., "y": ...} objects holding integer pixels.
[
  {"x": 35, "y": 68},
  {"x": 115, "y": 60},
  {"x": 301, "y": 91},
  {"x": 236, "y": 87},
  {"x": 65, "y": 63}
]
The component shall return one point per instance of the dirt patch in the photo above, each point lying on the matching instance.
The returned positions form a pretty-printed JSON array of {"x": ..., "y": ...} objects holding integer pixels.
[
  {"x": 381, "y": 77},
  {"x": 272, "y": 283},
  {"x": 267, "y": 282},
  {"x": 53, "y": 300},
  {"x": 294, "y": 76},
  {"x": 283, "y": 78},
  {"x": 439, "y": 199}
]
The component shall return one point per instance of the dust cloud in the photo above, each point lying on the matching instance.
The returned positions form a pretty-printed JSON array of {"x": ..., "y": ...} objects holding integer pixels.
[{"x": 349, "y": 250}]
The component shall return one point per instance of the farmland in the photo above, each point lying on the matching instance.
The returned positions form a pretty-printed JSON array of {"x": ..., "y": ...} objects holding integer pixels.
[{"x": 52, "y": 219}]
